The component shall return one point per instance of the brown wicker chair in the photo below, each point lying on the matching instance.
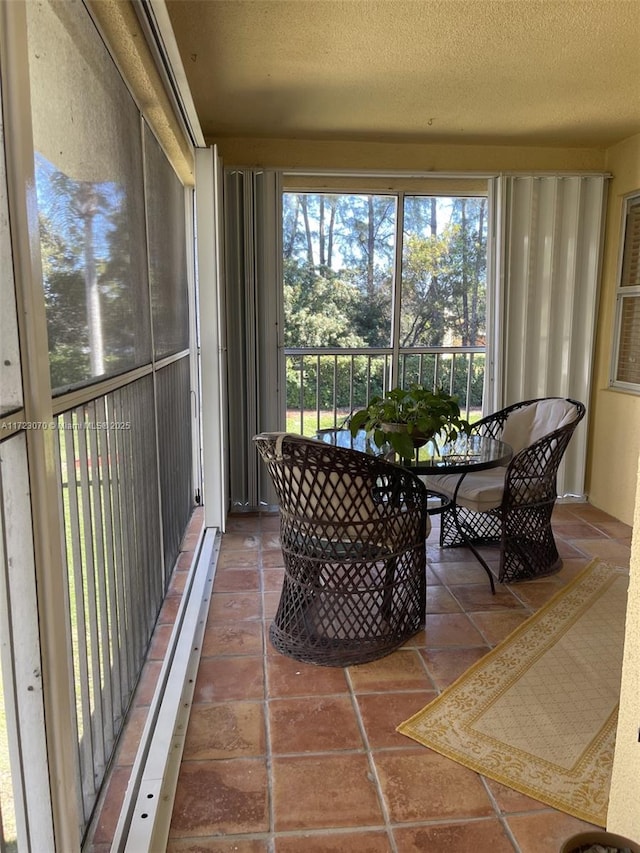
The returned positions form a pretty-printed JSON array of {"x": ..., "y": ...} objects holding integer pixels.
[
  {"x": 352, "y": 531},
  {"x": 512, "y": 506}
]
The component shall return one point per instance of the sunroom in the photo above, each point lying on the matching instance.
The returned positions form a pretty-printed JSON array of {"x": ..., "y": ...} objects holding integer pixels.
[{"x": 152, "y": 152}]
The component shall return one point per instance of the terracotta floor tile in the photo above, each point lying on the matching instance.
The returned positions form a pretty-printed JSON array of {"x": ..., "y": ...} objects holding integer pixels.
[
  {"x": 228, "y": 730},
  {"x": 451, "y": 573},
  {"x": 273, "y": 558},
  {"x": 231, "y": 844},
  {"x": 184, "y": 561},
  {"x": 569, "y": 550},
  {"x": 481, "y": 836},
  {"x": 510, "y": 801},
  {"x": 478, "y": 596},
  {"x": 224, "y": 678},
  {"x": 233, "y": 638},
  {"x": 160, "y": 642},
  {"x": 190, "y": 541},
  {"x": 423, "y": 785},
  {"x": 270, "y": 602},
  {"x": 401, "y": 670},
  {"x": 313, "y": 724},
  {"x": 271, "y": 539},
  {"x": 270, "y": 521},
  {"x": 324, "y": 791},
  {"x": 432, "y": 577},
  {"x": 178, "y": 580},
  {"x": 446, "y": 665},
  {"x": 247, "y": 541},
  {"x": 585, "y": 511},
  {"x": 536, "y": 593},
  {"x": 169, "y": 610},
  {"x": 382, "y": 712},
  {"x": 108, "y": 820},
  {"x": 611, "y": 550},
  {"x": 615, "y": 529},
  {"x": 221, "y": 797},
  {"x": 497, "y": 625},
  {"x": 289, "y": 677},
  {"x": 454, "y": 556},
  {"x": 451, "y": 629},
  {"x": 571, "y": 568},
  {"x": 249, "y": 522},
  {"x": 147, "y": 683},
  {"x": 574, "y": 529},
  {"x": 234, "y": 607},
  {"x": 130, "y": 740},
  {"x": 272, "y": 579},
  {"x": 236, "y": 580},
  {"x": 337, "y": 842},
  {"x": 544, "y": 832},
  {"x": 238, "y": 559},
  {"x": 440, "y": 600}
]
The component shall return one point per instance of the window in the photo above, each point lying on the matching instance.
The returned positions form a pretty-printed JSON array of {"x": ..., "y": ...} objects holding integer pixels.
[
  {"x": 626, "y": 362},
  {"x": 381, "y": 290},
  {"x": 89, "y": 182}
]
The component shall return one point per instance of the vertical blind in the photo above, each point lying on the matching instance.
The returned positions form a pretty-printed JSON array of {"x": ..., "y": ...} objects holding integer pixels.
[
  {"x": 252, "y": 276},
  {"x": 550, "y": 268}
]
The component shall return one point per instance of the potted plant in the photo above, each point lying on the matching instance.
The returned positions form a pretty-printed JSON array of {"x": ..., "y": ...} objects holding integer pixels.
[
  {"x": 407, "y": 418},
  {"x": 595, "y": 841}
]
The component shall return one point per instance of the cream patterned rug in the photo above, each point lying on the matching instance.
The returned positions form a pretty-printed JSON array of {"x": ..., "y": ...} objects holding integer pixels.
[{"x": 538, "y": 713}]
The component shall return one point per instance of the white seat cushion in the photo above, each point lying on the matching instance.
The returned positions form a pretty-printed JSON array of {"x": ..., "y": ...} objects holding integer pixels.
[
  {"x": 531, "y": 423},
  {"x": 480, "y": 491},
  {"x": 483, "y": 490}
]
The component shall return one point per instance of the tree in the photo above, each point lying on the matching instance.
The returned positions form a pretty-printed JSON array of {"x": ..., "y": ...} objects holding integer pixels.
[
  {"x": 444, "y": 271},
  {"x": 347, "y": 238},
  {"x": 319, "y": 306},
  {"x": 339, "y": 262},
  {"x": 96, "y": 299}
]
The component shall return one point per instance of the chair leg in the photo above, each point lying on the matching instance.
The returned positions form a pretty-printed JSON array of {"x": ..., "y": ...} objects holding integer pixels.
[{"x": 469, "y": 544}]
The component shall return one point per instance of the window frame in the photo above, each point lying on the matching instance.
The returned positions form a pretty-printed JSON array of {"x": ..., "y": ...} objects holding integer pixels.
[{"x": 624, "y": 291}]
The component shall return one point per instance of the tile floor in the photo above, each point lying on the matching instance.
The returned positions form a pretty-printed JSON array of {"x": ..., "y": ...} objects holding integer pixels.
[{"x": 286, "y": 757}]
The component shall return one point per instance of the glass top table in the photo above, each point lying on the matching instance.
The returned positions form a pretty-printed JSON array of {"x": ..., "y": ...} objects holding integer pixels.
[
  {"x": 463, "y": 456},
  {"x": 466, "y": 454}
]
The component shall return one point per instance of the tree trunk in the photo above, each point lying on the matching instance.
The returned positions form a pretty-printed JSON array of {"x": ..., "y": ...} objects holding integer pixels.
[
  {"x": 307, "y": 231},
  {"x": 371, "y": 244},
  {"x": 288, "y": 247},
  {"x": 322, "y": 259},
  {"x": 480, "y": 252},
  {"x": 466, "y": 331}
]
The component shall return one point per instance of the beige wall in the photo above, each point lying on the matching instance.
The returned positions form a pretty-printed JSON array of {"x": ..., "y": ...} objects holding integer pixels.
[
  {"x": 614, "y": 420},
  {"x": 386, "y": 156},
  {"x": 614, "y": 483},
  {"x": 623, "y": 816}
]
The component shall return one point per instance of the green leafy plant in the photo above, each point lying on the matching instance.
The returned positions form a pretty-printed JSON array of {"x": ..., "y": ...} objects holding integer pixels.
[{"x": 407, "y": 418}]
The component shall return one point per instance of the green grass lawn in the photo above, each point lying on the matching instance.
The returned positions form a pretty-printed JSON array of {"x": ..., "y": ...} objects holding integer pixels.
[{"x": 326, "y": 420}]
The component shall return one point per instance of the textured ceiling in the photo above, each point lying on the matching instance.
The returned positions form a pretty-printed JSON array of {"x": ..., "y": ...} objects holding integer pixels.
[{"x": 522, "y": 72}]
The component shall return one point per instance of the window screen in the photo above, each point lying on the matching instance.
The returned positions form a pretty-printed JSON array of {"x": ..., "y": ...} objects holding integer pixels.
[
  {"x": 89, "y": 182},
  {"x": 167, "y": 254}
]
